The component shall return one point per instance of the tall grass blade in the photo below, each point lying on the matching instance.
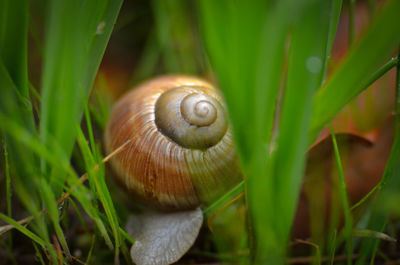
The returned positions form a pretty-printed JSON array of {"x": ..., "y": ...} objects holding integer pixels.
[
  {"x": 305, "y": 75},
  {"x": 246, "y": 43},
  {"x": 397, "y": 96},
  {"x": 96, "y": 176},
  {"x": 52, "y": 208},
  {"x": 334, "y": 15},
  {"x": 368, "y": 54},
  {"x": 14, "y": 17},
  {"x": 74, "y": 47},
  {"x": 388, "y": 186},
  {"x": 8, "y": 181},
  {"x": 343, "y": 197}
]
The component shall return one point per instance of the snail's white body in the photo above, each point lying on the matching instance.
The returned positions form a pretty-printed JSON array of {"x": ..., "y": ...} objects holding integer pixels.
[{"x": 181, "y": 151}]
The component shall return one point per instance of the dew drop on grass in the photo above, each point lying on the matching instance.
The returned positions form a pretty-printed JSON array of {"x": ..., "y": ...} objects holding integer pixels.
[
  {"x": 100, "y": 28},
  {"x": 314, "y": 64}
]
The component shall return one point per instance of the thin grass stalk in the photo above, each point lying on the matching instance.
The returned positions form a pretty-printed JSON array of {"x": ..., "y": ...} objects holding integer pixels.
[
  {"x": 335, "y": 12},
  {"x": 344, "y": 200},
  {"x": 397, "y": 96},
  {"x": 383, "y": 204},
  {"x": 8, "y": 181}
]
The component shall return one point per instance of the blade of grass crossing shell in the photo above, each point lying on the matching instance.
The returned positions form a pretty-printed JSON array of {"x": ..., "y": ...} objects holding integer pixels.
[
  {"x": 233, "y": 33},
  {"x": 334, "y": 16},
  {"x": 226, "y": 198},
  {"x": 362, "y": 62},
  {"x": 246, "y": 43}
]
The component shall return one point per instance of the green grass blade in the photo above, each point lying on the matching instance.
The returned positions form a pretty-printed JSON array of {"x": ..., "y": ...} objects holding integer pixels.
[
  {"x": 397, "y": 96},
  {"x": 24, "y": 230},
  {"x": 74, "y": 47},
  {"x": 33, "y": 144},
  {"x": 53, "y": 212},
  {"x": 348, "y": 81},
  {"x": 390, "y": 184},
  {"x": 246, "y": 43},
  {"x": 334, "y": 15},
  {"x": 305, "y": 75},
  {"x": 83, "y": 196},
  {"x": 8, "y": 181},
  {"x": 343, "y": 197},
  {"x": 14, "y": 120},
  {"x": 14, "y": 41},
  {"x": 225, "y": 199},
  {"x": 46, "y": 245},
  {"x": 38, "y": 255},
  {"x": 96, "y": 176},
  {"x": 90, "y": 132}
]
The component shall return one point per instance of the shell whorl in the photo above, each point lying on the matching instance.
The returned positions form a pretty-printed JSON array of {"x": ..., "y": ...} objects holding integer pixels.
[
  {"x": 190, "y": 117},
  {"x": 181, "y": 151}
]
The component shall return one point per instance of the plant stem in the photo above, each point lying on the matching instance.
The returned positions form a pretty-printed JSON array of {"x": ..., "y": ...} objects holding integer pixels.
[
  {"x": 343, "y": 195},
  {"x": 397, "y": 97}
]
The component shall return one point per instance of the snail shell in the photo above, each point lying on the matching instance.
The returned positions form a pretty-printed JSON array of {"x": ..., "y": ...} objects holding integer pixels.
[{"x": 181, "y": 152}]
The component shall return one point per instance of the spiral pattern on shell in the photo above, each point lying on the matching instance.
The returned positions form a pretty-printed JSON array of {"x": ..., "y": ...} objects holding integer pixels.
[{"x": 181, "y": 151}]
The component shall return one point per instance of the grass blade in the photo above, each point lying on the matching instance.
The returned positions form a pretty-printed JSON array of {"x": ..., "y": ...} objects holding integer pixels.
[
  {"x": 96, "y": 176},
  {"x": 8, "y": 181},
  {"x": 248, "y": 60},
  {"x": 74, "y": 47},
  {"x": 24, "y": 230},
  {"x": 344, "y": 200},
  {"x": 348, "y": 81},
  {"x": 52, "y": 208},
  {"x": 14, "y": 42},
  {"x": 388, "y": 186}
]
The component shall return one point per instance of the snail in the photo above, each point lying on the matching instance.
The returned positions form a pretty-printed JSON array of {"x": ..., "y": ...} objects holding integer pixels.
[{"x": 180, "y": 155}]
